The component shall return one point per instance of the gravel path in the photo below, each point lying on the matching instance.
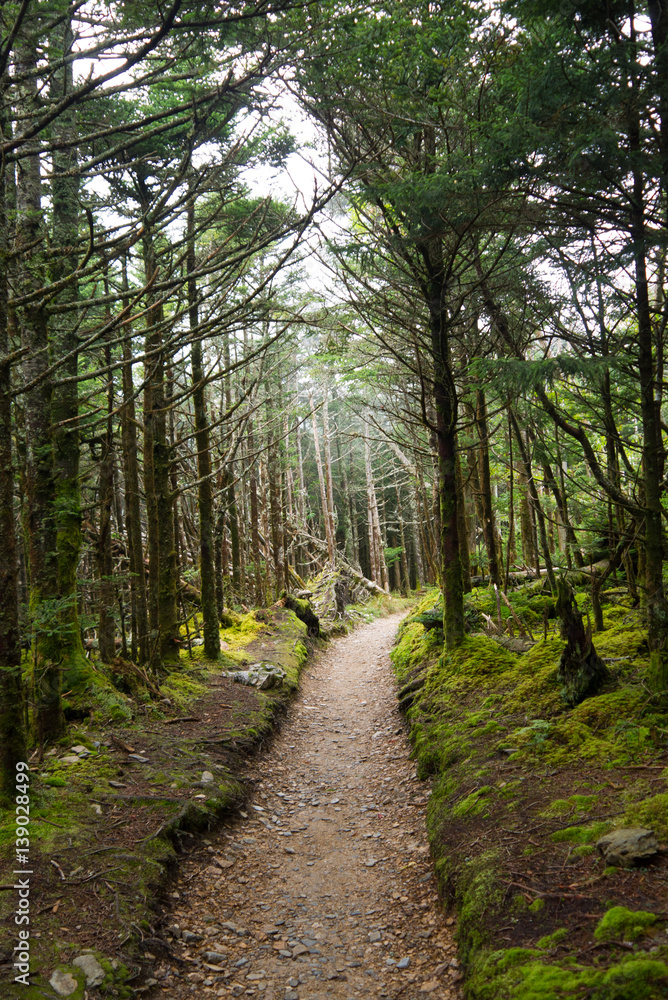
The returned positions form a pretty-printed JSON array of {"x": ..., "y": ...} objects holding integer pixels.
[{"x": 323, "y": 886}]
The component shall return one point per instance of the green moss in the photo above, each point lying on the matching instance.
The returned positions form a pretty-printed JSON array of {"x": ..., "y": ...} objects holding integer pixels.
[
  {"x": 472, "y": 804},
  {"x": 620, "y": 924},
  {"x": 651, "y": 812},
  {"x": 550, "y": 941},
  {"x": 573, "y": 804},
  {"x": 515, "y": 974},
  {"x": 478, "y": 890},
  {"x": 182, "y": 687},
  {"x": 241, "y": 630},
  {"x": 586, "y": 834},
  {"x": 622, "y": 642},
  {"x": 536, "y": 906}
]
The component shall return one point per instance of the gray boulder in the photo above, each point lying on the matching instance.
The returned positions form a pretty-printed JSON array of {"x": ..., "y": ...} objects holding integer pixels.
[{"x": 628, "y": 847}]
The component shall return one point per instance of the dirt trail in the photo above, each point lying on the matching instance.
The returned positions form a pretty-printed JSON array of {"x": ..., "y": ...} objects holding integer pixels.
[{"x": 323, "y": 886}]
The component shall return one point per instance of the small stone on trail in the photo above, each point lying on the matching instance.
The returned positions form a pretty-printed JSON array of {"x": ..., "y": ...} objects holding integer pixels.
[
  {"x": 289, "y": 850},
  {"x": 63, "y": 983},
  {"x": 214, "y": 957},
  {"x": 403, "y": 963},
  {"x": 429, "y": 987},
  {"x": 190, "y": 937},
  {"x": 207, "y": 777},
  {"x": 291, "y": 995},
  {"x": 91, "y": 968},
  {"x": 374, "y": 936}
]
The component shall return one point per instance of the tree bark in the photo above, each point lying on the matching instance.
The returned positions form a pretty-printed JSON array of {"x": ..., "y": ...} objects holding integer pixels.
[
  {"x": 324, "y": 489},
  {"x": 445, "y": 402},
  {"x": 533, "y": 493},
  {"x": 106, "y": 634},
  {"x": 204, "y": 486},
  {"x": 140, "y": 631},
  {"x": 40, "y": 488},
  {"x": 64, "y": 343},
  {"x": 12, "y": 698},
  {"x": 488, "y": 519}
]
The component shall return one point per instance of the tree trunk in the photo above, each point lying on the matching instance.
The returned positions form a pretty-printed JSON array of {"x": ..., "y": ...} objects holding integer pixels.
[
  {"x": 106, "y": 634},
  {"x": 657, "y": 616},
  {"x": 260, "y": 590},
  {"x": 12, "y": 729},
  {"x": 324, "y": 489},
  {"x": 210, "y": 624},
  {"x": 157, "y": 467},
  {"x": 64, "y": 343},
  {"x": 533, "y": 493},
  {"x": 445, "y": 402},
  {"x": 140, "y": 631},
  {"x": 462, "y": 528},
  {"x": 488, "y": 520},
  {"x": 328, "y": 471},
  {"x": 40, "y": 490}
]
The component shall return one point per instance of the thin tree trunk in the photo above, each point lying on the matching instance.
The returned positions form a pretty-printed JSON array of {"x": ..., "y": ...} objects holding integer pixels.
[
  {"x": 533, "y": 493},
  {"x": 140, "y": 636},
  {"x": 328, "y": 470},
  {"x": 487, "y": 505},
  {"x": 260, "y": 590},
  {"x": 106, "y": 634},
  {"x": 462, "y": 528},
  {"x": 324, "y": 489},
  {"x": 12, "y": 699},
  {"x": 204, "y": 485}
]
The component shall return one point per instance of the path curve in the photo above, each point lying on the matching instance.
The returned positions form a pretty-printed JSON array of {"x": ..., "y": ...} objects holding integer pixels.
[{"x": 322, "y": 887}]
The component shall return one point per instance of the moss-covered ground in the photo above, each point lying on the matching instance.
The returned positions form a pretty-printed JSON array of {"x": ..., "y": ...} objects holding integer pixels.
[
  {"x": 123, "y": 793},
  {"x": 522, "y": 788}
]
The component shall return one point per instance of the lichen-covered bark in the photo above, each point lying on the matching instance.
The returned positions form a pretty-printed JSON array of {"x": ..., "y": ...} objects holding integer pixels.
[
  {"x": 63, "y": 344},
  {"x": 40, "y": 491}
]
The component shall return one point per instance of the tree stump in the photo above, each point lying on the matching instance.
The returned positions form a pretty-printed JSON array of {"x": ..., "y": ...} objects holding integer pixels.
[{"x": 581, "y": 669}]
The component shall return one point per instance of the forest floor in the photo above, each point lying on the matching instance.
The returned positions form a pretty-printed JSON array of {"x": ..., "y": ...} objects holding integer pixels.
[
  {"x": 322, "y": 885},
  {"x": 523, "y": 786}
]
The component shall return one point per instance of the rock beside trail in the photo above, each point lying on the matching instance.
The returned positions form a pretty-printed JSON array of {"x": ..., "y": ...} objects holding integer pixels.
[
  {"x": 260, "y": 675},
  {"x": 63, "y": 983},
  {"x": 91, "y": 969},
  {"x": 628, "y": 847}
]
